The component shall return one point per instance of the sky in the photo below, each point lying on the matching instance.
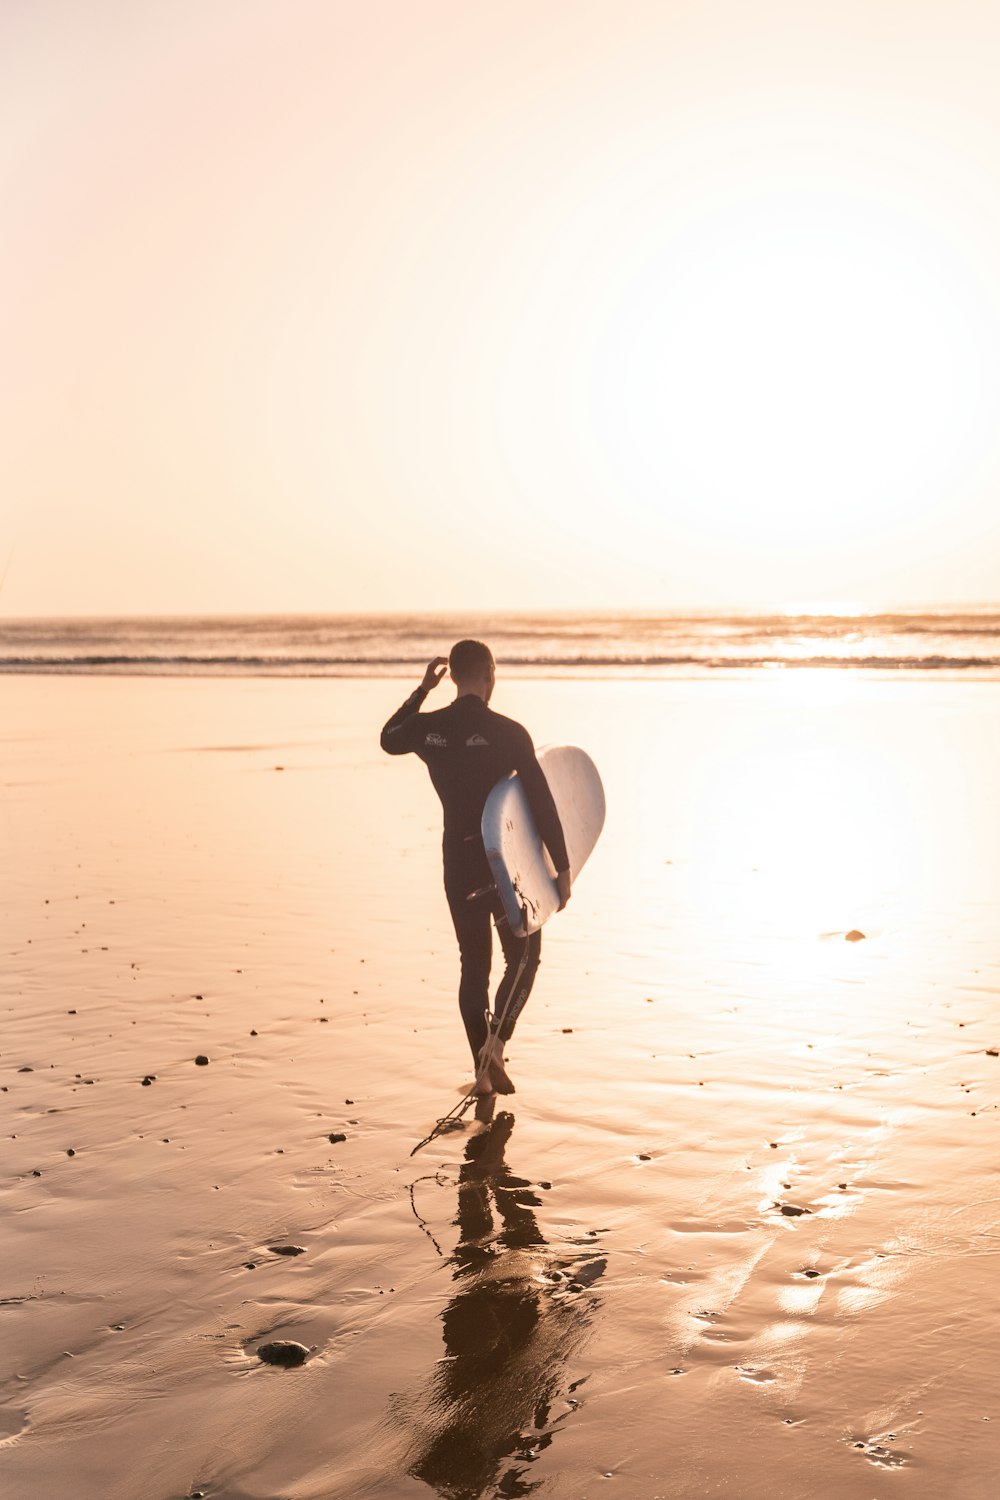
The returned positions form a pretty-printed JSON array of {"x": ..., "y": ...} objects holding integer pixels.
[{"x": 419, "y": 304}]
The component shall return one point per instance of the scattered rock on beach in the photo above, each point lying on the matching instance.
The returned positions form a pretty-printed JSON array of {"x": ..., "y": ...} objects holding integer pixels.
[
  {"x": 201, "y": 1061},
  {"x": 792, "y": 1211},
  {"x": 284, "y": 1352},
  {"x": 335, "y": 1137},
  {"x": 854, "y": 936},
  {"x": 286, "y": 1249}
]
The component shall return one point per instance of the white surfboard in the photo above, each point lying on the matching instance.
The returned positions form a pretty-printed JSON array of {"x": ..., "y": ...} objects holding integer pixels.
[{"x": 522, "y": 869}]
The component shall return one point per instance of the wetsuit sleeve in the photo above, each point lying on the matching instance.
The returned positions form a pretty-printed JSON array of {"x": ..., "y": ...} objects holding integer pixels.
[
  {"x": 402, "y": 731},
  {"x": 543, "y": 808}
]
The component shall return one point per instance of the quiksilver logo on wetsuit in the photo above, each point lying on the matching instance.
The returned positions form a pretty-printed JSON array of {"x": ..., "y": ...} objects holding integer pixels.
[
  {"x": 436, "y": 739},
  {"x": 476, "y": 739}
]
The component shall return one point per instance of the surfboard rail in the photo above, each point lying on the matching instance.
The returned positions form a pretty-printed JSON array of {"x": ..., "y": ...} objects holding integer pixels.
[{"x": 520, "y": 864}]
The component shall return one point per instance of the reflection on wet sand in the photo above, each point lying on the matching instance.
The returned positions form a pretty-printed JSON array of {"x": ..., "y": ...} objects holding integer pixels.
[{"x": 519, "y": 1314}]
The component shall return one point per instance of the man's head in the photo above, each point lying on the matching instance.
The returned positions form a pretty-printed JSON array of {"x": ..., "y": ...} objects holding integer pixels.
[{"x": 472, "y": 669}]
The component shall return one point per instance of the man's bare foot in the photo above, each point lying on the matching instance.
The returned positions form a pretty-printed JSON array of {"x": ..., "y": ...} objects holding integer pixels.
[{"x": 491, "y": 1065}]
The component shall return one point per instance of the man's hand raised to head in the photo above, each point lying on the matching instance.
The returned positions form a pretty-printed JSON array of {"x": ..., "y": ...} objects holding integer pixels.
[
  {"x": 564, "y": 882},
  {"x": 436, "y": 669}
]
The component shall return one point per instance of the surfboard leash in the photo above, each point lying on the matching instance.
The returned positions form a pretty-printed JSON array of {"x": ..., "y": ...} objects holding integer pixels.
[
  {"x": 446, "y": 1122},
  {"x": 455, "y": 1115}
]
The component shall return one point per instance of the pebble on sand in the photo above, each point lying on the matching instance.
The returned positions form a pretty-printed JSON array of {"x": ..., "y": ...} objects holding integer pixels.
[
  {"x": 201, "y": 1061},
  {"x": 286, "y": 1249},
  {"x": 335, "y": 1137},
  {"x": 854, "y": 936},
  {"x": 284, "y": 1352}
]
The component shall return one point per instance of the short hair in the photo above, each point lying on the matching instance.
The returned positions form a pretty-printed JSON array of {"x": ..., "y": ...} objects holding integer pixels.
[{"x": 469, "y": 659}]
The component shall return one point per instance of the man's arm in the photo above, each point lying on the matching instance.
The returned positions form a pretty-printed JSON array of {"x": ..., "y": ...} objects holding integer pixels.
[
  {"x": 401, "y": 733},
  {"x": 543, "y": 810}
]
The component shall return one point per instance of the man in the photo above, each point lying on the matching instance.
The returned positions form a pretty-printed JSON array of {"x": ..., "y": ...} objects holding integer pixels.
[{"x": 467, "y": 748}]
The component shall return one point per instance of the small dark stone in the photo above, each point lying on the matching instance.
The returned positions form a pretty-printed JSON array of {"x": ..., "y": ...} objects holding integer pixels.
[
  {"x": 71, "y": 1012},
  {"x": 811, "y": 1274},
  {"x": 567, "y": 1031},
  {"x": 253, "y": 1033},
  {"x": 791, "y": 1211},
  {"x": 199, "y": 997},
  {"x": 854, "y": 936},
  {"x": 251, "y": 1265},
  {"x": 284, "y": 1352},
  {"x": 335, "y": 1137},
  {"x": 643, "y": 1156},
  {"x": 26, "y": 1069},
  {"x": 36, "y": 1173},
  {"x": 993, "y": 1052},
  {"x": 149, "y": 1078},
  {"x": 348, "y": 1101},
  {"x": 118, "y": 1327},
  {"x": 286, "y": 1249},
  {"x": 201, "y": 1060},
  {"x": 71, "y": 1152}
]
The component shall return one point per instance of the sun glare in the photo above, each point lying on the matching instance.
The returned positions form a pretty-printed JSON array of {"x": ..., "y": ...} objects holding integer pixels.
[{"x": 797, "y": 373}]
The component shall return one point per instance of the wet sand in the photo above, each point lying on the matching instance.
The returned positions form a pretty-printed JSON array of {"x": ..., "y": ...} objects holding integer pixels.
[{"x": 735, "y": 1234}]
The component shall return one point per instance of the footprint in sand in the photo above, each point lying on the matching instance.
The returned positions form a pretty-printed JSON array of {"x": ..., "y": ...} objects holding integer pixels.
[
  {"x": 752, "y": 1373},
  {"x": 13, "y": 1424}
]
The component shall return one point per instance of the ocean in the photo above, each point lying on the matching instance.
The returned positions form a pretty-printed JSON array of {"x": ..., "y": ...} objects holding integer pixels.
[{"x": 964, "y": 641}]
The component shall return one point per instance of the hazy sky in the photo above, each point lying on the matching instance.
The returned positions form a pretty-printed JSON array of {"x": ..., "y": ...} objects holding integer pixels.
[{"x": 311, "y": 305}]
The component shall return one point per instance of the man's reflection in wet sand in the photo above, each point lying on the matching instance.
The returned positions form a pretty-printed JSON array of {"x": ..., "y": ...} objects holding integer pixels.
[{"x": 519, "y": 1314}]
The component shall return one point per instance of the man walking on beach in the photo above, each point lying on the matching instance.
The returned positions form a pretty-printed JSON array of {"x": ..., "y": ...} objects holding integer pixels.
[{"x": 467, "y": 748}]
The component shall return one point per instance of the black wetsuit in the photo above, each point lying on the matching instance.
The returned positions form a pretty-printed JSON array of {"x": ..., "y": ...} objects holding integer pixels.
[{"x": 467, "y": 748}]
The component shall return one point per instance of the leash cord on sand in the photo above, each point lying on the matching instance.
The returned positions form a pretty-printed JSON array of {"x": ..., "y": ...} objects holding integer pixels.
[
  {"x": 442, "y": 1181},
  {"x": 453, "y": 1117}
]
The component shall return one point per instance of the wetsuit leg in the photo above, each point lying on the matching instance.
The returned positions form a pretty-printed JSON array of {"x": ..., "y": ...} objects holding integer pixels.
[
  {"x": 463, "y": 874},
  {"x": 522, "y": 956}
]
